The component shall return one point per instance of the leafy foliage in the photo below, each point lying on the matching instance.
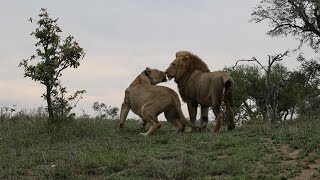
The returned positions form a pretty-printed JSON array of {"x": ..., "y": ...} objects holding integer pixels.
[
  {"x": 265, "y": 79},
  {"x": 62, "y": 105},
  {"x": 297, "y": 18},
  {"x": 310, "y": 93},
  {"x": 52, "y": 57},
  {"x": 248, "y": 89}
]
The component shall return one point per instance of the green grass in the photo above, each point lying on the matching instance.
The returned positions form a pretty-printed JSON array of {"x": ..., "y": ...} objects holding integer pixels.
[{"x": 91, "y": 149}]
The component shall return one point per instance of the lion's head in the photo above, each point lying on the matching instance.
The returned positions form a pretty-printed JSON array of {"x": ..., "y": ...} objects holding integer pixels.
[
  {"x": 182, "y": 68},
  {"x": 184, "y": 64},
  {"x": 156, "y": 76}
]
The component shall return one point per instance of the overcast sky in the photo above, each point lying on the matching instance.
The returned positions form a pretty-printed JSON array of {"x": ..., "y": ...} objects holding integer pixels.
[{"x": 123, "y": 37}]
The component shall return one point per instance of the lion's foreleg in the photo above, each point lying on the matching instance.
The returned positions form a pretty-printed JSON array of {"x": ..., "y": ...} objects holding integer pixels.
[{"x": 192, "y": 108}]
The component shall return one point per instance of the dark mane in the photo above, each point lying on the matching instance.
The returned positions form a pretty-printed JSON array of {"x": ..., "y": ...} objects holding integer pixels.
[
  {"x": 197, "y": 64},
  {"x": 194, "y": 63}
]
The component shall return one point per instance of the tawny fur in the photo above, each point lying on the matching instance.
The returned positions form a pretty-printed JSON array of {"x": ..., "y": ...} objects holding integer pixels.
[
  {"x": 147, "y": 100},
  {"x": 197, "y": 85}
]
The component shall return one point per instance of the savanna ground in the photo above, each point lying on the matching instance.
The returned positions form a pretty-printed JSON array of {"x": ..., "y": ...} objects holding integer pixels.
[{"x": 91, "y": 149}]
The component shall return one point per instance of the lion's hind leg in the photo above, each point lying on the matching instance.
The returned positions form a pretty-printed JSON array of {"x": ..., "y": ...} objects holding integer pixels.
[
  {"x": 217, "y": 112},
  {"x": 172, "y": 117},
  {"x": 230, "y": 116},
  {"x": 204, "y": 117},
  {"x": 153, "y": 129},
  {"x": 143, "y": 124},
  {"x": 230, "y": 112},
  {"x": 217, "y": 98},
  {"x": 151, "y": 117},
  {"x": 216, "y": 108}
]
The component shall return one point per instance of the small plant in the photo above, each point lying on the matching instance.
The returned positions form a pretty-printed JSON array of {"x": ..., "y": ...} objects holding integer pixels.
[
  {"x": 7, "y": 112},
  {"x": 104, "y": 112},
  {"x": 63, "y": 105}
]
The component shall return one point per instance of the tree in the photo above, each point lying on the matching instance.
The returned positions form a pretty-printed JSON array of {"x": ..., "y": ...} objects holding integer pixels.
[
  {"x": 264, "y": 86},
  {"x": 309, "y": 81},
  {"x": 290, "y": 93},
  {"x": 297, "y": 18},
  {"x": 53, "y": 56},
  {"x": 273, "y": 77}
]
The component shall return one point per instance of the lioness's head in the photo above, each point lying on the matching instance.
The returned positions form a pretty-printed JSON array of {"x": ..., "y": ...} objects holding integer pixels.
[
  {"x": 179, "y": 66},
  {"x": 156, "y": 76}
]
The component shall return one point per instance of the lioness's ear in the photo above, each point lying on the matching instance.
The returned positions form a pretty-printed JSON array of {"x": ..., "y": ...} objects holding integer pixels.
[{"x": 147, "y": 71}]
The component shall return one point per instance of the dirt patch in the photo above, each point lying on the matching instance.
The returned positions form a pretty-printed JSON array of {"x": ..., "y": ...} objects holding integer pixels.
[
  {"x": 310, "y": 171},
  {"x": 293, "y": 158},
  {"x": 315, "y": 164}
]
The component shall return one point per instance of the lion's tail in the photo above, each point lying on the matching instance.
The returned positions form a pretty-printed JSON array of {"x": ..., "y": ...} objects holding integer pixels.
[
  {"x": 227, "y": 85},
  {"x": 228, "y": 88}
]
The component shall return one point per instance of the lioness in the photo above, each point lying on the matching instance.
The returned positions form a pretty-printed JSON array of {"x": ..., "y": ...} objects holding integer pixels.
[
  {"x": 148, "y": 101},
  {"x": 197, "y": 85}
]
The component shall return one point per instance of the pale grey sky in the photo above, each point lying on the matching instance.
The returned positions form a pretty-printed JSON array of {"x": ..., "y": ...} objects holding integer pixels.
[{"x": 122, "y": 37}]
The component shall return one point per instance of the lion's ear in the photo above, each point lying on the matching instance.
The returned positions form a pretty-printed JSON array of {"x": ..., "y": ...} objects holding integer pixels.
[
  {"x": 185, "y": 58},
  {"x": 183, "y": 54}
]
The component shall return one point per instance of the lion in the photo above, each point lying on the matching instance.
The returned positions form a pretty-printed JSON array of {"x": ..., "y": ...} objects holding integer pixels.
[
  {"x": 148, "y": 101},
  {"x": 197, "y": 85}
]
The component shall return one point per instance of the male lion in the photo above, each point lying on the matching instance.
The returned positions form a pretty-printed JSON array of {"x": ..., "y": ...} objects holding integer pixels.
[
  {"x": 197, "y": 85},
  {"x": 148, "y": 101}
]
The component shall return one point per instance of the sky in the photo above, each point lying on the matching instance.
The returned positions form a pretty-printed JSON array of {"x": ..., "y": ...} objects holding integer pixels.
[{"x": 123, "y": 37}]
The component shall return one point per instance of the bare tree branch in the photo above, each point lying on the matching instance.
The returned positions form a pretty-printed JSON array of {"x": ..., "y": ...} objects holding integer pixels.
[{"x": 250, "y": 60}]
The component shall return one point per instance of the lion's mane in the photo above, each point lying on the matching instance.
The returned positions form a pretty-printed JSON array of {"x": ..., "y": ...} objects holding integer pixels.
[{"x": 193, "y": 62}]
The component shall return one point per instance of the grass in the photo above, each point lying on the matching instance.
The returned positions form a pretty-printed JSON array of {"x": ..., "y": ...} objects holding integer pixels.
[{"x": 91, "y": 149}]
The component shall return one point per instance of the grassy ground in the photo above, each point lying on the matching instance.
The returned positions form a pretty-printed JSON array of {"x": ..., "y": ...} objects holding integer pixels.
[{"x": 90, "y": 149}]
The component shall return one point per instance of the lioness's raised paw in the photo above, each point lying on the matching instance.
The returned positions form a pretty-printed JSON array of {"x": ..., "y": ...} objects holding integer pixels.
[{"x": 144, "y": 134}]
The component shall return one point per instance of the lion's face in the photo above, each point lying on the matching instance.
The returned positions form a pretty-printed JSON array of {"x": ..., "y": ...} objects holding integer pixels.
[
  {"x": 172, "y": 70},
  {"x": 156, "y": 76},
  {"x": 179, "y": 66}
]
